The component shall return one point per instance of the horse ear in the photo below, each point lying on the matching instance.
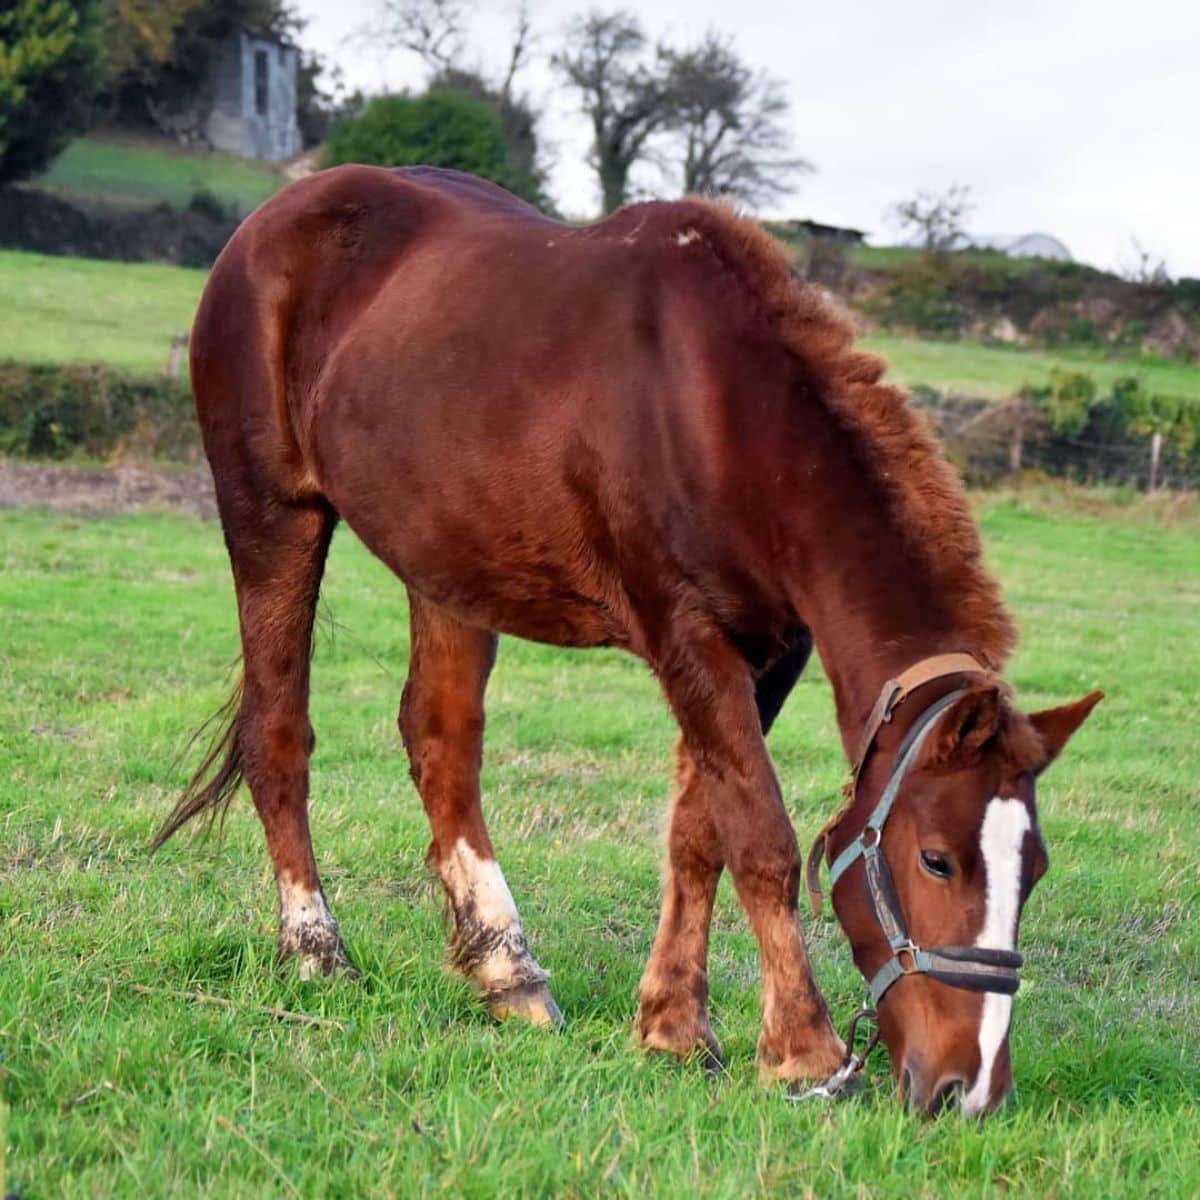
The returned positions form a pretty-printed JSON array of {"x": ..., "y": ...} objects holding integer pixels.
[
  {"x": 966, "y": 727},
  {"x": 1056, "y": 725}
]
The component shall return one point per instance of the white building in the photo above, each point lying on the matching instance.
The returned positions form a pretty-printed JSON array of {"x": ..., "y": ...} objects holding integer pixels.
[{"x": 252, "y": 98}]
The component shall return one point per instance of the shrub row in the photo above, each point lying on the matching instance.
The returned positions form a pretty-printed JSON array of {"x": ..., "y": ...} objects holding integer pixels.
[
  {"x": 38, "y": 221},
  {"x": 99, "y": 413},
  {"x": 94, "y": 412}
]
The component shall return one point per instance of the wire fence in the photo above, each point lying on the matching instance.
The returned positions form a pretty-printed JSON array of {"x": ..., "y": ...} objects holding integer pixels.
[{"x": 987, "y": 441}]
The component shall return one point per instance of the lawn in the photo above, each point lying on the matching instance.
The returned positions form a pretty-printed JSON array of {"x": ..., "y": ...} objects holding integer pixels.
[
  {"x": 117, "y": 635},
  {"x": 135, "y": 171},
  {"x": 55, "y": 310}
]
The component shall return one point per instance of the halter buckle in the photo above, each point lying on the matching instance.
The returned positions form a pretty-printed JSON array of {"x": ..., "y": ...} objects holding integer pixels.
[{"x": 912, "y": 950}]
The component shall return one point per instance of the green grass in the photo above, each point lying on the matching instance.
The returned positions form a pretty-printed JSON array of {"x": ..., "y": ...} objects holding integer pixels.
[
  {"x": 994, "y": 372},
  {"x": 82, "y": 310},
  {"x": 56, "y": 310},
  {"x": 143, "y": 172},
  {"x": 117, "y": 635}
]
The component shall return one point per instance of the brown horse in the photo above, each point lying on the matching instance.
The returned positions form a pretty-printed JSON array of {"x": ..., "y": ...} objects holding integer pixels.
[{"x": 646, "y": 433}]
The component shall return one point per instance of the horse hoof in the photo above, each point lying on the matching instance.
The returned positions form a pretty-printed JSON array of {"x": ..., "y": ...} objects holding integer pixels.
[
  {"x": 326, "y": 962},
  {"x": 530, "y": 1002},
  {"x": 795, "y": 1070},
  {"x": 309, "y": 967},
  {"x": 703, "y": 1048}
]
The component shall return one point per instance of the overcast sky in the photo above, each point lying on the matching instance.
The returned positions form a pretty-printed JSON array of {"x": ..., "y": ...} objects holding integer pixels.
[{"x": 1078, "y": 118}]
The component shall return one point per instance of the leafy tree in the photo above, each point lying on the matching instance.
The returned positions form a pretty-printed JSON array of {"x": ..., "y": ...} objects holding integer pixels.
[
  {"x": 48, "y": 77},
  {"x": 440, "y": 128},
  {"x": 729, "y": 122},
  {"x": 1147, "y": 413},
  {"x": 1068, "y": 400},
  {"x": 137, "y": 37},
  {"x": 626, "y": 101},
  {"x": 157, "y": 55}
]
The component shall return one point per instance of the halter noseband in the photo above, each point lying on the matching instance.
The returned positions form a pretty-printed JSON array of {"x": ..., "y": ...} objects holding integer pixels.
[{"x": 976, "y": 968}]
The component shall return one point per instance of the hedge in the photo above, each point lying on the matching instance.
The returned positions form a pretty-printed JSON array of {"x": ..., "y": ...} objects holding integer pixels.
[{"x": 94, "y": 412}]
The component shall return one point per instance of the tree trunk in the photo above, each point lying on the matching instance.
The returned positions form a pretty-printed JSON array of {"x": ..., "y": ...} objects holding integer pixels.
[
  {"x": 614, "y": 182},
  {"x": 1156, "y": 441}
]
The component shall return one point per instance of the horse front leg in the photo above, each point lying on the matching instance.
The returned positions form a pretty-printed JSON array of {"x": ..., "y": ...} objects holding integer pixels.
[
  {"x": 712, "y": 694},
  {"x": 441, "y": 721},
  {"x": 673, "y": 997}
]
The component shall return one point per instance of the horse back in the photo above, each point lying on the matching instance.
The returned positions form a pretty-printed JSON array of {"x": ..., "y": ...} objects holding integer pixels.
[{"x": 518, "y": 416}]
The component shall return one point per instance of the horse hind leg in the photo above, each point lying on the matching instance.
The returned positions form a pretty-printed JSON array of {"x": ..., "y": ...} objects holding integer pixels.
[
  {"x": 277, "y": 549},
  {"x": 441, "y": 721}
]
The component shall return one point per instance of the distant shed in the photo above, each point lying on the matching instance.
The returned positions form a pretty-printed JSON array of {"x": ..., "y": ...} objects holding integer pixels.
[
  {"x": 815, "y": 229},
  {"x": 252, "y": 91}
]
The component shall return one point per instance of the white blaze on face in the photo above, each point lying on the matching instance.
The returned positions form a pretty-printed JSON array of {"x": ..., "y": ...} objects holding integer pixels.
[{"x": 1005, "y": 824}]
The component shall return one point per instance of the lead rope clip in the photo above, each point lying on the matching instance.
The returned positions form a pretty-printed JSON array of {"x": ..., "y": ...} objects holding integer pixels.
[{"x": 845, "y": 1079}]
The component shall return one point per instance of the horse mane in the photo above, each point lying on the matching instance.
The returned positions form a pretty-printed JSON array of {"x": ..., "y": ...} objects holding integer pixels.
[{"x": 926, "y": 494}]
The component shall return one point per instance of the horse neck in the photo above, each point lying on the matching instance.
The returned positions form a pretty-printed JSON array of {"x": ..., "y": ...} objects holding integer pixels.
[{"x": 863, "y": 588}]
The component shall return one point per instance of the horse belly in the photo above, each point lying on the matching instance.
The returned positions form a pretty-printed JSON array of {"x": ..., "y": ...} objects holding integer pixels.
[{"x": 497, "y": 546}]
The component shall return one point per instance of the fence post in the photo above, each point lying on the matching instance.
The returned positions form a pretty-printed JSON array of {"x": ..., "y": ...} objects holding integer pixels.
[
  {"x": 1017, "y": 437},
  {"x": 175, "y": 355},
  {"x": 1156, "y": 441}
]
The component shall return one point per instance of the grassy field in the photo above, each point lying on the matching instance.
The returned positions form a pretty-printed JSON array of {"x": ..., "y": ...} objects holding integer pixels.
[
  {"x": 117, "y": 636},
  {"x": 56, "y": 310},
  {"x": 134, "y": 171},
  {"x": 997, "y": 372},
  {"x": 80, "y": 310}
]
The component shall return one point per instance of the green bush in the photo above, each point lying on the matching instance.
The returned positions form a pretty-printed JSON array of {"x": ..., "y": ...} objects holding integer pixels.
[
  {"x": 49, "y": 72},
  {"x": 438, "y": 129},
  {"x": 919, "y": 298},
  {"x": 94, "y": 412}
]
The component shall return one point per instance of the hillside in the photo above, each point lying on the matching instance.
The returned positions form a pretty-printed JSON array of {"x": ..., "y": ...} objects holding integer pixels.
[
  {"x": 135, "y": 199},
  {"x": 62, "y": 310},
  {"x": 985, "y": 296},
  {"x": 135, "y": 172}
]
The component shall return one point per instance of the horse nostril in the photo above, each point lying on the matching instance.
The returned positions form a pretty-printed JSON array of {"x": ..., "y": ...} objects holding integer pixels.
[
  {"x": 906, "y": 1084},
  {"x": 949, "y": 1096}
]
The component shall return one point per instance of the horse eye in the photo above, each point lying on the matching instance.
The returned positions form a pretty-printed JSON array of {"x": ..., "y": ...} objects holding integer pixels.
[{"x": 938, "y": 865}]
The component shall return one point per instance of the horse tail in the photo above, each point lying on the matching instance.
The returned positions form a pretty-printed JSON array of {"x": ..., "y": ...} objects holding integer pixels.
[{"x": 218, "y": 776}]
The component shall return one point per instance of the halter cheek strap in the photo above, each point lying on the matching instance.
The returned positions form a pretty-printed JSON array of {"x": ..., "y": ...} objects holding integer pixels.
[
  {"x": 975, "y": 968},
  {"x": 893, "y": 694}
]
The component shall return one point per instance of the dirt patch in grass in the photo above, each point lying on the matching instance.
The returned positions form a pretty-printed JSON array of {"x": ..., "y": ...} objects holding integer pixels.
[{"x": 105, "y": 491}]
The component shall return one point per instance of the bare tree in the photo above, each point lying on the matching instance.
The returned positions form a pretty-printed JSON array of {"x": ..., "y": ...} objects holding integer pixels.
[
  {"x": 730, "y": 123},
  {"x": 936, "y": 220},
  {"x": 435, "y": 31},
  {"x": 604, "y": 59},
  {"x": 522, "y": 46},
  {"x": 431, "y": 29},
  {"x": 1145, "y": 267}
]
